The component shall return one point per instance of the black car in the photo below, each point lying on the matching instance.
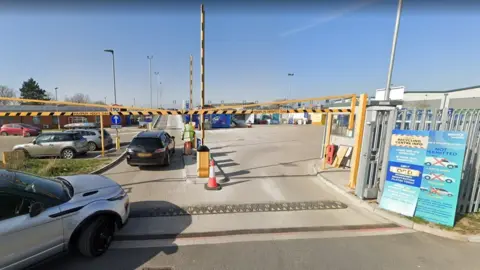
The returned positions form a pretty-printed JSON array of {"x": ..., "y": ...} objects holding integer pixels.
[{"x": 151, "y": 148}]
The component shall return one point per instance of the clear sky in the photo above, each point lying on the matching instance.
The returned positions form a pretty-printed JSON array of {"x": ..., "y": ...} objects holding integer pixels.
[{"x": 331, "y": 49}]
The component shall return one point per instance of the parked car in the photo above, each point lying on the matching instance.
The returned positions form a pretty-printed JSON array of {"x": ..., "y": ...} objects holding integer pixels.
[
  {"x": 55, "y": 144},
  {"x": 151, "y": 148},
  {"x": 94, "y": 138},
  {"x": 441, "y": 191},
  {"x": 20, "y": 130},
  {"x": 42, "y": 217}
]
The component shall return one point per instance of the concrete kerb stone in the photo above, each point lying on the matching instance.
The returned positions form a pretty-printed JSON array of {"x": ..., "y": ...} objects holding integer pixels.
[
  {"x": 111, "y": 164},
  {"x": 401, "y": 221}
]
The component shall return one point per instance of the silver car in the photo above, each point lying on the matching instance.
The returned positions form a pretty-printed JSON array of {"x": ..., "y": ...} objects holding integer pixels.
[
  {"x": 55, "y": 144},
  {"x": 42, "y": 217},
  {"x": 94, "y": 138}
]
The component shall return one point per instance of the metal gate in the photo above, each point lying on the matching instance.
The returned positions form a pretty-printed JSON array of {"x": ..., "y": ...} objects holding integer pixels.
[{"x": 380, "y": 122}]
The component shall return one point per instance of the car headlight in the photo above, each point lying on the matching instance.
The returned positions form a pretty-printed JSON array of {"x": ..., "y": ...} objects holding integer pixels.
[{"x": 118, "y": 197}]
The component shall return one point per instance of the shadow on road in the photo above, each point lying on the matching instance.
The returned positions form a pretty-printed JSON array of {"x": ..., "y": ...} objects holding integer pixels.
[{"x": 127, "y": 258}]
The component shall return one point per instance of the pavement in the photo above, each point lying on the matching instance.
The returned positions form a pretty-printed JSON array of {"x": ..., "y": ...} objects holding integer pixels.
[{"x": 272, "y": 213}]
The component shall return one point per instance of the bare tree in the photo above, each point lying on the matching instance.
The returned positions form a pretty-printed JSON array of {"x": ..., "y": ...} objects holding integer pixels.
[
  {"x": 51, "y": 96},
  {"x": 101, "y": 102},
  {"x": 7, "y": 92},
  {"x": 78, "y": 98}
]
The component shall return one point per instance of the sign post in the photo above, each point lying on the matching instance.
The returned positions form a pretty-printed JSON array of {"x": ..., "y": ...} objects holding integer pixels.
[{"x": 116, "y": 124}]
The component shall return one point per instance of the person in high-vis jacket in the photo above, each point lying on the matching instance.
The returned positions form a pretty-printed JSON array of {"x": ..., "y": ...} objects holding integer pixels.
[{"x": 188, "y": 136}]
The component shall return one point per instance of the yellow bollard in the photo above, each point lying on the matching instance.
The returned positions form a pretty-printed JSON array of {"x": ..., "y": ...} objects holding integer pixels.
[{"x": 203, "y": 161}]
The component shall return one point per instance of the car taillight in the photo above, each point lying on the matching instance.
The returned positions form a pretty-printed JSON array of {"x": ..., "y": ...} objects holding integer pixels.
[{"x": 160, "y": 150}]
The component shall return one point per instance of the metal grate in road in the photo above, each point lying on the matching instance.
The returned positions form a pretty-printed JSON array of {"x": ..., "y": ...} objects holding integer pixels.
[{"x": 236, "y": 208}]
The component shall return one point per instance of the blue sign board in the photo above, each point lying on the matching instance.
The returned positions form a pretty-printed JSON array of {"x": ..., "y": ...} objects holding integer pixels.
[
  {"x": 424, "y": 173},
  {"x": 148, "y": 119},
  {"x": 116, "y": 120},
  {"x": 441, "y": 177},
  {"x": 408, "y": 150}
]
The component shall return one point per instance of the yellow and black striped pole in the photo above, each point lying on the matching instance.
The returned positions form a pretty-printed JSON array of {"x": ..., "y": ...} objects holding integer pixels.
[
  {"x": 191, "y": 87},
  {"x": 202, "y": 69}
]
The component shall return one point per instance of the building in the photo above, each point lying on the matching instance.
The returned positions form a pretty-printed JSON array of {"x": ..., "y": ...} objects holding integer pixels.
[
  {"x": 47, "y": 122},
  {"x": 461, "y": 98}
]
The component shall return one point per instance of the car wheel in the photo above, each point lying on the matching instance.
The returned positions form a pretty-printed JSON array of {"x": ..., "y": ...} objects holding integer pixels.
[
  {"x": 92, "y": 146},
  {"x": 427, "y": 177},
  {"x": 26, "y": 134},
  {"x": 450, "y": 166},
  {"x": 68, "y": 154},
  {"x": 428, "y": 163},
  {"x": 449, "y": 181},
  {"x": 4, "y": 133},
  {"x": 97, "y": 237}
]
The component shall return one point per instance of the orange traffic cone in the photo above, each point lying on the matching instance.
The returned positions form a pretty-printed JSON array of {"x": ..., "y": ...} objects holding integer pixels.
[{"x": 212, "y": 179}]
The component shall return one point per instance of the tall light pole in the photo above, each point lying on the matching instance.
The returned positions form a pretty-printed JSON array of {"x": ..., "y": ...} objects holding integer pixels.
[
  {"x": 157, "y": 75},
  {"x": 202, "y": 69},
  {"x": 114, "y": 82},
  {"x": 394, "y": 46},
  {"x": 56, "y": 98},
  {"x": 191, "y": 87},
  {"x": 290, "y": 85},
  {"x": 150, "y": 77}
]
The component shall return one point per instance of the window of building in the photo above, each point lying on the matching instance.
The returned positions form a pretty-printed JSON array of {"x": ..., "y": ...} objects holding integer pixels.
[
  {"x": 36, "y": 120},
  {"x": 340, "y": 125}
]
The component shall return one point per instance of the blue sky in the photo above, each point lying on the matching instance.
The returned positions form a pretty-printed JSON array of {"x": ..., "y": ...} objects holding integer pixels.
[{"x": 331, "y": 49}]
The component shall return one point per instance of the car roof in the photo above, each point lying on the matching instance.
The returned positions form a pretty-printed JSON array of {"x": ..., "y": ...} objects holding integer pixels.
[
  {"x": 81, "y": 129},
  {"x": 150, "y": 134},
  {"x": 57, "y": 133}
]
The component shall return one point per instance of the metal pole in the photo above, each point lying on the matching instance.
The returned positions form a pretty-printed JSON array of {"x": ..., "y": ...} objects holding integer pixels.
[
  {"x": 150, "y": 77},
  {"x": 157, "y": 75},
  {"x": 191, "y": 87},
  {"x": 394, "y": 46},
  {"x": 101, "y": 135},
  {"x": 202, "y": 69},
  {"x": 114, "y": 80}
]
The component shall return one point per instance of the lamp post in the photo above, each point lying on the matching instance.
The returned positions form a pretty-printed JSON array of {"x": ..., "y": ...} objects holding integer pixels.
[
  {"x": 114, "y": 82},
  {"x": 290, "y": 85},
  {"x": 150, "y": 79},
  {"x": 394, "y": 46}
]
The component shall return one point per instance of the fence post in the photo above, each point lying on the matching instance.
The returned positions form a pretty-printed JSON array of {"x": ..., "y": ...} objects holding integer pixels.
[{"x": 359, "y": 126}]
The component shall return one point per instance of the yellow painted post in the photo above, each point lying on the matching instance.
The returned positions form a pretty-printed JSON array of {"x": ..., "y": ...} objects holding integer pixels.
[
  {"x": 357, "y": 148},
  {"x": 101, "y": 135},
  {"x": 351, "y": 120},
  {"x": 117, "y": 141},
  {"x": 327, "y": 139},
  {"x": 202, "y": 70}
]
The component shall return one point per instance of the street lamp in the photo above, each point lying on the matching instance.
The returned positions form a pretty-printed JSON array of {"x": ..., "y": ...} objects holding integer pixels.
[
  {"x": 114, "y": 82},
  {"x": 290, "y": 85},
  {"x": 150, "y": 77},
  {"x": 394, "y": 46}
]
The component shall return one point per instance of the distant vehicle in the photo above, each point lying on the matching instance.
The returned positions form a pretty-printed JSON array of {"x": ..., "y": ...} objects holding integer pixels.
[
  {"x": 81, "y": 126},
  {"x": 151, "y": 148},
  {"x": 438, "y": 177},
  {"x": 43, "y": 217},
  {"x": 20, "y": 129},
  {"x": 55, "y": 144},
  {"x": 94, "y": 138},
  {"x": 441, "y": 162}
]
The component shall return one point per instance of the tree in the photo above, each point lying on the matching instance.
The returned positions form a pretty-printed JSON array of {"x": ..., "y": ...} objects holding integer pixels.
[
  {"x": 7, "y": 92},
  {"x": 51, "y": 96},
  {"x": 101, "y": 102},
  {"x": 31, "y": 90},
  {"x": 79, "y": 98}
]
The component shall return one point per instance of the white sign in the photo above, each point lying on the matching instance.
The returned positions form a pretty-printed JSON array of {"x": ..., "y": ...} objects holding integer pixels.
[
  {"x": 396, "y": 93},
  {"x": 116, "y": 126}
]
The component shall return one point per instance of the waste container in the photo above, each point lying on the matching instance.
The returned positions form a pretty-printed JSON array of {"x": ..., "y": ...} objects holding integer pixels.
[{"x": 203, "y": 161}]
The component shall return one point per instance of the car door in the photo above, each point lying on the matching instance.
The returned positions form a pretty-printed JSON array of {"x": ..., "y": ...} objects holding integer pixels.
[
  {"x": 25, "y": 239},
  {"x": 59, "y": 142},
  {"x": 41, "y": 147},
  {"x": 17, "y": 129}
]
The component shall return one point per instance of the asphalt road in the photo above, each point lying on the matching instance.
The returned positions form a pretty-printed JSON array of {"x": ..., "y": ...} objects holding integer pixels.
[{"x": 393, "y": 252}]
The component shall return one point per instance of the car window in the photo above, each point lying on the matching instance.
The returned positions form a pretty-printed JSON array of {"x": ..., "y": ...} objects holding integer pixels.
[
  {"x": 164, "y": 138},
  {"x": 76, "y": 136},
  {"x": 16, "y": 126},
  {"x": 62, "y": 137},
  {"x": 105, "y": 133},
  {"x": 50, "y": 192},
  {"x": 147, "y": 143},
  {"x": 44, "y": 138},
  {"x": 91, "y": 133},
  {"x": 11, "y": 205}
]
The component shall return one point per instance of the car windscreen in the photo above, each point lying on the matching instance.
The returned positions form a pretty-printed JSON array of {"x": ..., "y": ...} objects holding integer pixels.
[
  {"x": 149, "y": 144},
  {"x": 49, "y": 188}
]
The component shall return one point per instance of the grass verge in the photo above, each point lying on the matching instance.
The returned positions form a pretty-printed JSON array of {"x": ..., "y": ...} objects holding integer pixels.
[
  {"x": 58, "y": 167},
  {"x": 464, "y": 224}
]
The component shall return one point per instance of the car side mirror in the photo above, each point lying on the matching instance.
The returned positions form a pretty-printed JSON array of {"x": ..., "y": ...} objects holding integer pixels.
[{"x": 35, "y": 209}]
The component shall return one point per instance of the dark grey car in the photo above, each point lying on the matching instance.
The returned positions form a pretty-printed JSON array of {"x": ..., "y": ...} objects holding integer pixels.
[{"x": 151, "y": 148}]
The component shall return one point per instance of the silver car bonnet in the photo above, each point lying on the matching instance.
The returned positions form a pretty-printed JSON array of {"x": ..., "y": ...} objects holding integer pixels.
[{"x": 88, "y": 182}]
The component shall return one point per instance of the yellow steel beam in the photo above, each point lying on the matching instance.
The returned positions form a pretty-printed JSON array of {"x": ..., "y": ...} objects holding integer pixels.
[
  {"x": 351, "y": 120},
  {"x": 359, "y": 126}
]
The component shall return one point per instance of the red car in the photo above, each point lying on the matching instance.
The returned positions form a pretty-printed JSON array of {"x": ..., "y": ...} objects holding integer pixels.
[{"x": 19, "y": 129}]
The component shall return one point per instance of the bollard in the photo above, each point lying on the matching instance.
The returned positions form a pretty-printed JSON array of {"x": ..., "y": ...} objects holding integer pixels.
[
  {"x": 203, "y": 161},
  {"x": 212, "y": 179}
]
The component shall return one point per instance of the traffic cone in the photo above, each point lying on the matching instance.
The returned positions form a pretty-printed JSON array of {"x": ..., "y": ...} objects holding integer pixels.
[{"x": 212, "y": 179}]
